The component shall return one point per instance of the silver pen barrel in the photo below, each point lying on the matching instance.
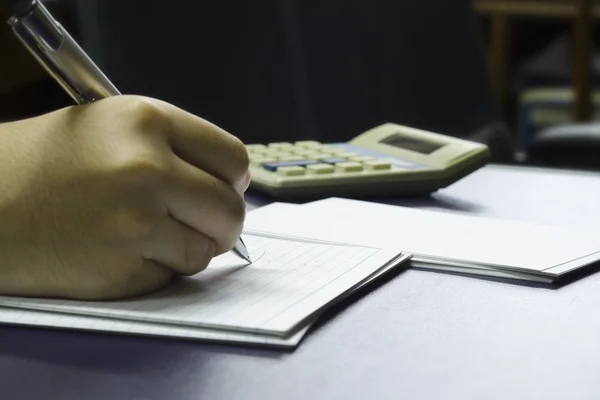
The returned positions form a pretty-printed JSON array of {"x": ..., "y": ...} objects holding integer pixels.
[{"x": 60, "y": 54}]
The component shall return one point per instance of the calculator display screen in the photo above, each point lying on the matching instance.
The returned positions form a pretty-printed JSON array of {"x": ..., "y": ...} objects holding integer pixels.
[{"x": 409, "y": 143}]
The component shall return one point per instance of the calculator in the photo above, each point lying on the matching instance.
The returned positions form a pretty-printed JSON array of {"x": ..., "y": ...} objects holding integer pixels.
[{"x": 389, "y": 159}]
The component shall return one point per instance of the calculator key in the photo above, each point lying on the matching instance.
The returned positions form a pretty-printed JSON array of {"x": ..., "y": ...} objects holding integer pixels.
[
  {"x": 345, "y": 154},
  {"x": 319, "y": 169},
  {"x": 308, "y": 143},
  {"x": 272, "y": 166},
  {"x": 377, "y": 165},
  {"x": 259, "y": 161},
  {"x": 303, "y": 152},
  {"x": 291, "y": 170},
  {"x": 333, "y": 160},
  {"x": 317, "y": 156},
  {"x": 256, "y": 148},
  {"x": 361, "y": 159},
  {"x": 280, "y": 145},
  {"x": 326, "y": 149},
  {"x": 292, "y": 158},
  {"x": 349, "y": 166},
  {"x": 279, "y": 154}
]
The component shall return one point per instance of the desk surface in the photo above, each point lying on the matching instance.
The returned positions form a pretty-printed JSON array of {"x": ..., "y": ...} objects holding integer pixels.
[{"x": 420, "y": 335}]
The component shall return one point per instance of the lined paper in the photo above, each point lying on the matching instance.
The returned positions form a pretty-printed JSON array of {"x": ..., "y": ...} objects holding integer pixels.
[{"x": 288, "y": 283}]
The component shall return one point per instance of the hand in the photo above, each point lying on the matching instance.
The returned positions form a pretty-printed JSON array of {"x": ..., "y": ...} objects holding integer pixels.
[{"x": 112, "y": 199}]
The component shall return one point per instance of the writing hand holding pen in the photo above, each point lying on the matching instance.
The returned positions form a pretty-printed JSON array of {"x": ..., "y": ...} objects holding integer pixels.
[{"x": 112, "y": 197}]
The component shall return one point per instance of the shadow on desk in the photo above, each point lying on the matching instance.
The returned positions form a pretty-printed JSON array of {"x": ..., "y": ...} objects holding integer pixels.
[
  {"x": 345, "y": 304},
  {"x": 437, "y": 200},
  {"x": 112, "y": 352}
]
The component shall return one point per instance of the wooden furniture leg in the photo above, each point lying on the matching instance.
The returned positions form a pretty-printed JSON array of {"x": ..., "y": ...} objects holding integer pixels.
[{"x": 582, "y": 50}]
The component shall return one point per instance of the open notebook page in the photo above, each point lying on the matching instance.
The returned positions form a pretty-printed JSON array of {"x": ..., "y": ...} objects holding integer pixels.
[
  {"x": 52, "y": 319},
  {"x": 288, "y": 282}
]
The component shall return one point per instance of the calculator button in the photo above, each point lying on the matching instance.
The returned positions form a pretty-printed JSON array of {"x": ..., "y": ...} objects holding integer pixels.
[
  {"x": 361, "y": 159},
  {"x": 256, "y": 148},
  {"x": 259, "y": 161},
  {"x": 317, "y": 156},
  {"x": 319, "y": 169},
  {"x": 280, "y": 145},
  {"x": 279, "y": 154},
  {"x": 326, "y": 149},
  {"x": 303, "y": 152},
  {"x": 333, "y": 160},
  {"x": 292, "y": 158},
  {"x": 272, "y": 166},
  {"x": 291, "y": 170},
  {"x": 348, "y": 166},
  {"x": 345, "y": 154},
  {"x": 308, "y": 143},
  {"x": 377, "y": 165}
]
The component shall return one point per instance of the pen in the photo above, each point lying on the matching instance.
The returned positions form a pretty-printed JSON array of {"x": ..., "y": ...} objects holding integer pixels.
[{"x": 66, "y": 62}]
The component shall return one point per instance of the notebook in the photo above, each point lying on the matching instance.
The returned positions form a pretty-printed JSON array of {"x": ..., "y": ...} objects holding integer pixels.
[
  {"x": 438, "y": 240},
  {"x": 272, "y": 301}
]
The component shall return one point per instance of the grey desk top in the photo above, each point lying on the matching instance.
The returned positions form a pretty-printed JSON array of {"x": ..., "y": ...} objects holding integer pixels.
[{"x": 419, "y": 335}]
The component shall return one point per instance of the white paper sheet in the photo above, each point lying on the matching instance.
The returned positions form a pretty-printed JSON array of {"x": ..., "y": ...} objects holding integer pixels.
[{"x": 436, "y": 238}]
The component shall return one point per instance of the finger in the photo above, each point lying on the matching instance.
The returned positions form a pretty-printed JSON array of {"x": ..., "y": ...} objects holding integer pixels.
[
  {"x": 204, "y": 203},
  {"x": 151, "y": 277},
  {"x": 179, "y": 247},
  {"x": 145, "y": 278},
  {"x": 247, "y": 181},
  {"x": 206, "y": 146}
]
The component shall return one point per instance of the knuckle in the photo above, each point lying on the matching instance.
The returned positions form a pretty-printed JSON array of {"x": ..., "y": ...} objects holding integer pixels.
[
  {"x": 143, "y": 171},
  {"x": 148, "y": 113},
  {"x": 136, "y": 223},
  {"x": 138, "y": 168},
  {"x": 241, "y": 159},
  {"x": 137, "y": 207},
  {"x": 237, "y": 210}
]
